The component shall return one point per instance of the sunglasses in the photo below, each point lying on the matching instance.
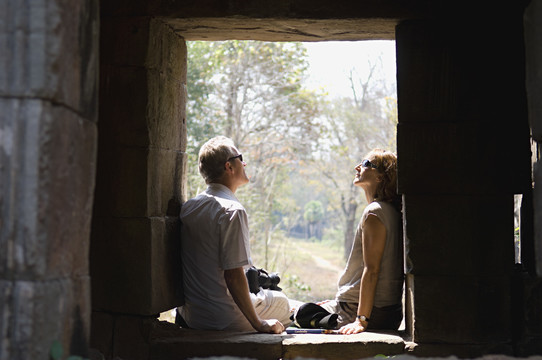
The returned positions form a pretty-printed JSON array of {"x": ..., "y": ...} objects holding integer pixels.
[
  {"x": 240, "y": 156},
  {"x": 368, "y": 164}
]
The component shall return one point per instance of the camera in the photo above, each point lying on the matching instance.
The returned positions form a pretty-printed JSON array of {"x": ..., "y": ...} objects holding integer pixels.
[{"x": 260, "y": 278}]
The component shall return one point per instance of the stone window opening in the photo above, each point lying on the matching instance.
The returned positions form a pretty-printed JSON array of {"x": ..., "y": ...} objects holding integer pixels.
[{"x": 169, "y": 315}]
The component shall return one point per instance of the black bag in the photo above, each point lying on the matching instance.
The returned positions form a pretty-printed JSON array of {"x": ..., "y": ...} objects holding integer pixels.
[
  {"x": 260, "y": 278},
  {"x": 313, "y": 316}
]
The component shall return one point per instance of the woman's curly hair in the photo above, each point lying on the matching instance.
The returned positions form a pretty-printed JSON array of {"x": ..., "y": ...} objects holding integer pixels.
[{"x": 386, "y": 165}]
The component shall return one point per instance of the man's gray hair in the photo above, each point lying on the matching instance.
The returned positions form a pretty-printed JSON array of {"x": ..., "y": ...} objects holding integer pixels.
[{"x": 212, "y": 157}]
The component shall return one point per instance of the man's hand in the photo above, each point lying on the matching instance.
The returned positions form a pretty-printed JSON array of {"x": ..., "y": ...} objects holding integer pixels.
[
  {"x": 272, "y": 326},
  {"x": 238, "y": 287}
]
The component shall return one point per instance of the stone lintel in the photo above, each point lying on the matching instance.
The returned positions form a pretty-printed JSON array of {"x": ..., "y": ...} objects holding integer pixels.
[{"x": 277, "y": 29}]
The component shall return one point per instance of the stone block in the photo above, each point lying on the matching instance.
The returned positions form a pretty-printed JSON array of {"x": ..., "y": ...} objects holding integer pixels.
[
  {"x": 48, "y": 157},
  {"x": 463, "y": 157},
  {"x": 533, "y": 78},
  {"x": 498, "y": 351},
  {"x": 166, "y": 269},
  {"x": 139, "y": 182},
  {"x": 126, "y": 42},
  {"x": 171, "y": 342},
  {"x": 459, "y": 235},
  {"x": 163, "y": 187},
  {"x": 122, "y": 183},
  {"x": 527, "y": 314},
  {"x": 537, "y": 216},
  {"x": 50, "y": 51},
  {"x": 124, "y": 98},
  {"x": 181, "y": 173},
  {"x": 342, "y": 347},
  {"x": 135, "y": 265},
  {"x": 166, "y": 114},
  {"x": 143, "y": 93},
  {"x": 142, "y": 107},
  {"x": 458, "y": 72},
  {"x": 101, "y": 333},
  {"x": 38, "y": 313},
  {"x": 166, "y": 51},
  {"x": 461, "y": 309}
]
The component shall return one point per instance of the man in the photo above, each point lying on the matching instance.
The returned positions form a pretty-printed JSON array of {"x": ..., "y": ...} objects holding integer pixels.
[{"x": 215, "y": 250}]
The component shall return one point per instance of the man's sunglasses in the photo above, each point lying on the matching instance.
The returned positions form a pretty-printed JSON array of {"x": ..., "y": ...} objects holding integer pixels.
[
  {"x": 240, "y": 156},
  {"x": 368, "y": 164}
]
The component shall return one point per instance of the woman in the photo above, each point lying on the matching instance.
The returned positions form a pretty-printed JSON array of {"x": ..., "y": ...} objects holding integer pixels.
[{"x": 371, "y": 285}]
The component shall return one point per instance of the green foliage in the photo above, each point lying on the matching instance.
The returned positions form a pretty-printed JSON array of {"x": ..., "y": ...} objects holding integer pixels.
[
  {"x": 295, "y": 288},
  {"x": 314, "y": 211},
  {"x": 56, "y": 351},
  {"x": 299, "y": 144},
  {"x": 254, "y": 93}
]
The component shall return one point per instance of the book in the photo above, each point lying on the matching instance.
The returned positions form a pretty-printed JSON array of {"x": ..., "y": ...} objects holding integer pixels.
[{"x": 310, "y": 331}]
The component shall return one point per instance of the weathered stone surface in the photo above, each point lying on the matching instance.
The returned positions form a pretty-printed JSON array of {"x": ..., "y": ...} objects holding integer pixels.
[
  {"x": 48, "y": 157},
  {"x": 533, "y": 56},
  {"x": 461, "y": 309},
  {"x": 50, "y": 52},
  {"x": 166, "y": 51},
  {"x": 464, "y": 238},
  {"x": 125, "y": 41},
  {"x": 143, "y": 107},
  {"x": 123, "y": 106},
  {"x": 182, "y": 175},
  {"x": 165, "y": 110},
  {"x": 447, "y": 149},
  {"x": 443, "y": 60},
  {"x": 142, "y": 167},
  {"x": 537, "y": 216},
  {"x": 139, "y": 182},
  {"x": 445, "y": 123},
  {"x": 170, "y": 342},
  {"x": 37, "y": 313},
  {"x": 101, "y": 333},
  {"x": 163, "y": 188},
  {"x": 278, "y": 29},
  {"x": 527, "y": 314},
  {"x": 135, "y": 265},
  {"x": 356, "y": 346}
]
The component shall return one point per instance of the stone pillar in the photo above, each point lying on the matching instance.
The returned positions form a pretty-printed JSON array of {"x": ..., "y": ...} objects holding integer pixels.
[
  {"x": 463, "y": 144},
  {"x": 531, "y": 284},
  {"x": 135, "y": 255},
  {"x": 48, "y": 110}
]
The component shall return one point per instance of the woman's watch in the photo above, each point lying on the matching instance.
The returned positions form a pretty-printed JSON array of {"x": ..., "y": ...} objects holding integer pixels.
[{"x": 362, "y": 318}]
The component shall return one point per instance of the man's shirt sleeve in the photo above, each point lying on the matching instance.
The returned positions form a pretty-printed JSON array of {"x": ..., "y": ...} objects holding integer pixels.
[{"x": 234, "y": 239}]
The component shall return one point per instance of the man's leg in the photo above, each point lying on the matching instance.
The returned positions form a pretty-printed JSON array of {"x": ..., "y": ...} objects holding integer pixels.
[{"x": 270, "y": 304}]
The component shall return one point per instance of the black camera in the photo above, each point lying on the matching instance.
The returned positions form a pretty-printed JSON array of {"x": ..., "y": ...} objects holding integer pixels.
[{"x": 260, "y": 278}]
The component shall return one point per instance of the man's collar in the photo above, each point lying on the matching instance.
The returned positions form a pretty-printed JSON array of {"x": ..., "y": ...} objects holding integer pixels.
[{"x": 221, "y": 188}]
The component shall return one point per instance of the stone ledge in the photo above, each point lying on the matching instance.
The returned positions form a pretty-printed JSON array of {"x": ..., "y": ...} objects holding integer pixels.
[
  {"x": 332, "y": 346},
  {"x": 170, "y": 342}
]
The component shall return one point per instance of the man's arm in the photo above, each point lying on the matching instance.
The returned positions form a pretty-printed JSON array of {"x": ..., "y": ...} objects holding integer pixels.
[{"x": 238, "y": 287}]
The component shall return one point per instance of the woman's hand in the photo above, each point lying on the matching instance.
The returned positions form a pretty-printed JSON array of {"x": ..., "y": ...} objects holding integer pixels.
[{"x": 353, "y": 328}]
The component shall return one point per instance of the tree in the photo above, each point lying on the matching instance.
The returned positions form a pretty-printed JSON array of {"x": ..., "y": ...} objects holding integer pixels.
[
  {"x": 253, "y": 92},
  {"x": 314, "y": 212},
  {"x": 355, "y": 125}
]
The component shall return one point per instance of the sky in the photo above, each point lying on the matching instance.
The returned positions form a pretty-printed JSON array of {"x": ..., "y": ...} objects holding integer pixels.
[{"x": 331, "y": 62}]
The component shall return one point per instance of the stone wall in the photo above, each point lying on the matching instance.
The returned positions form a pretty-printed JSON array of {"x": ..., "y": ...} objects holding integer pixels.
[
  {"x": 459, "y": 129},
  {"x": 48, "y": 114},
  {"x": 463, "y": 144},
  {"x": 135, "y": 255}
]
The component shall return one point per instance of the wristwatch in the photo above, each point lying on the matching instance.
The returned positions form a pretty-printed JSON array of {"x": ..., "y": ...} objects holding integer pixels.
[{"x": 362, "y": 318}]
